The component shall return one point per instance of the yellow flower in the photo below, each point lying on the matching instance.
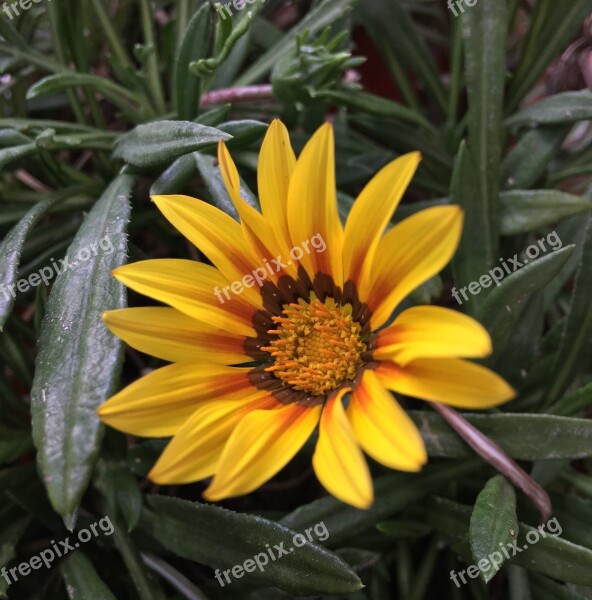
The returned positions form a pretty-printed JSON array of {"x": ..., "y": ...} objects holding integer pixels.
[{"x": 312, "y": 329}]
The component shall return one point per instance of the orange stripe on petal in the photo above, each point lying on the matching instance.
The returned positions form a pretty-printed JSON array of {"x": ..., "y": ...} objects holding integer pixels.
[
  {"x": 383, "y": 429},
  {"x": 312, "y": 207},
  {"x": 276, "y": 165},
  {"x": 160, "y": 403},
  {"x": 216, "y": 234},
  {"x": 455, "y": 382},
  {"x": 170, "y": 335},
  {"x": 196, "y": 289},
  {"x": 262, "y": 444},
  {"x": 432, "y": 332},
  {"x": 408, "y": 255},
  {"x": 258, "y": 231},
  {"x": 338, "y": 461},
  {"x": 194, "y": 452}
]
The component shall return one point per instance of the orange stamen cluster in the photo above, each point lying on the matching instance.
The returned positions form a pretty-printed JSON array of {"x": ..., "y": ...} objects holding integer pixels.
[{"x": 318, "y": 346}]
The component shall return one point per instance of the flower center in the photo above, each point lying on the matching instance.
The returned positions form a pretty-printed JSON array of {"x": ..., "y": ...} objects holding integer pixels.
[{"x": 318, "y": 346}]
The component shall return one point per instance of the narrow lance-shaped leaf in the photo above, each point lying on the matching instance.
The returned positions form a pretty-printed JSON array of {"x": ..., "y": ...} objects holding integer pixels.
[
  {"x": 473, "y": 255},
  {"x": 82, "y": 580},
  {"x": 508, "y": 297},
  {"x": 529, "y": 158},
  {"x": 546, "y": 553},
  {"x": 568, "y": 107},
  {"x": 10, "y": 253},
  {"x": 518, "y": 434},
  {"x": 493, "y": 522},
  {"x": 529, "y": 210},
  {"x": 222, "y": 539},
  {"x": 553, "y": 26},
  {"x": 484, "y": 29},
  {"x": 164, "y": 141},
  {"x": 195, "y": 44},
  {"x": 79, "y": 360},
  {"x": 578, "y": 324},
  {"x": 392, "y": 493}
]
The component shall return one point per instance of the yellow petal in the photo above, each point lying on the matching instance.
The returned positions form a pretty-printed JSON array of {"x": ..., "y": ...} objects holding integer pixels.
[
  {"x": 170, "y": 335},
  {"x": 198, "y": 290},
  {"x": 216, "y": 234},
  {"x": 338, "y": 461},
  {"x": 276, "y": 165},
  {"x": 160, "y": 403},
  {"x": 259, "y": 232},
  {"x": 383, "y": 428},
  {"x": 371, "y": 213},
  {"x": 195, "y": 450},
  {"x": 312, "y": 207},
  {"x": 262, "y": 444},
  {"x": 408, "y": 255},
  {"x": 451, "y": 381},
  {"x": 432, "y": 332}
]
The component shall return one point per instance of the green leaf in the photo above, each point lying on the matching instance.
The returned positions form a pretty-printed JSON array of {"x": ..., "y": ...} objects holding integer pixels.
[
  {"x": 403, "y": 529},
  {"x": 578, "y": 324},
  {"x": 195, "y": 44},
  {"x": 164, "y": 141},
  {"x": 9, "y": 155},
  {"x": 549, "y": 554},
  {"x": 82, "y": 581},
  {"x": 547, "y": 589},
  {"x": 54, "y": 84},
  {"x": 210, "y": 171},
  {"x": 369, "y": 104},
  {"x": 222, "y": 539},
  {"x": 504, "y": 304},
  {"x": 524, "y": 211},
  {"x": 121, "y": 491},
  {"x": 141, "y": 577},
  {"x": 13, "y": 137},
  {"x": 493, "y": 523},
  {"x": 9, "y": 538},
  {"x": 10, "y": 253},
  {"x": 553, "y": 26},
  {"x": 396, "y": 33},
  {"x": 79, "y": 360},
  {"x": 323, "y": 14},
  {"x": 243, "y": 132},
  {"x": 475, "y": 252},
  {"x": 530, "y": 157},
  {"x": 13, "y": 444},
  {"x": 518, "y": 434},
  {"x": 484, "y": 30},
  {"x": 568, "y": 107},
  {"x": 573, "y": 403},
  {"x": 392, "y": 493},
  {"x": 175, "y": 177}
]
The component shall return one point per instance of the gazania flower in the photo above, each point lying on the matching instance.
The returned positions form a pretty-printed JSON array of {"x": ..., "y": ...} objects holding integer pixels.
[{"x": 287, "y": 332}]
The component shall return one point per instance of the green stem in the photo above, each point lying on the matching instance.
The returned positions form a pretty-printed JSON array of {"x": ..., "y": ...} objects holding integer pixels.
[
  {"x": 153, "y": 75},
  {"x": 72, "y": 97},
  {"x": 112, "y": 36},
  {"x": 455, "y": 72}
]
